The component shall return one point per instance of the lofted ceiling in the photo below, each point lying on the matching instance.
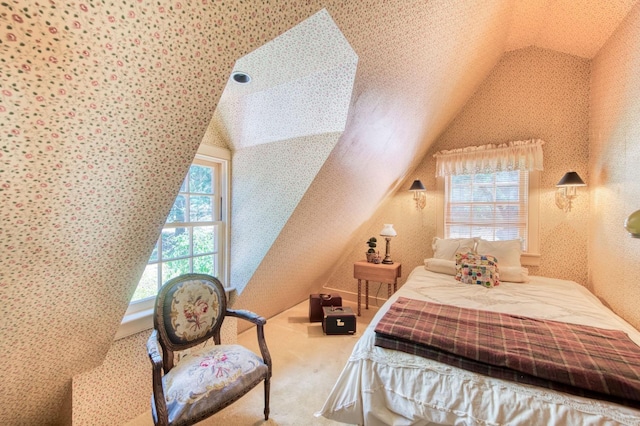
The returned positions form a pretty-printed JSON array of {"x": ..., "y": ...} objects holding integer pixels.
[
  {"x": 428, "y": 61},
  {"x": 300, "y": 84},
  {"x": 104, "y": 104},
  {"x": 286, "y": 72},
  {"x": 576, "y": 27}
]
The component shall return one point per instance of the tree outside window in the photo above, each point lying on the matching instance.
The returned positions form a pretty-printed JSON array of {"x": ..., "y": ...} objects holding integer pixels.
[{"x": 191, "y": 238}]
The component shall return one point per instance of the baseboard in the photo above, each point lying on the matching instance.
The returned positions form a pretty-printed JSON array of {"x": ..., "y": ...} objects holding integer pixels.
[{"x": 375, "y": 292}]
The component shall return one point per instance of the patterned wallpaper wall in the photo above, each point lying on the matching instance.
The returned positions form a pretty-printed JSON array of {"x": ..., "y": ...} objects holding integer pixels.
[
  {"x": 578, "y": 27},
  {"x": 268, "y": 182},
  {"x": 411, "y": 80},
  {"x": 531, "y": 93},
  {"x": 613, "y": 169},
  {"x": 301, "y": 85},
  {"x": 120, "y": 388},
  {"x": 102, "y": 107},
  {"x": 282, "y": 131}
]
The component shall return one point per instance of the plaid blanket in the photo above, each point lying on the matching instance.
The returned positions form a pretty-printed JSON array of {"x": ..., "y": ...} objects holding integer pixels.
[{"x": 581, "y": 360}]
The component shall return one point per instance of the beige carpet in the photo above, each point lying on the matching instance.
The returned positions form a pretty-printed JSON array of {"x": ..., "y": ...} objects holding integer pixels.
[{"x": 306, "y": 364}]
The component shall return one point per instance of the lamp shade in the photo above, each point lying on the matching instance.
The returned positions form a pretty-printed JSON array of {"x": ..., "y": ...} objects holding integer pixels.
[
  {"x": 571, "y": 179},
  {"x": 632, "y": 224},
  {"x": 388, "y": 231},
  {"x": 417, "y": 186}
]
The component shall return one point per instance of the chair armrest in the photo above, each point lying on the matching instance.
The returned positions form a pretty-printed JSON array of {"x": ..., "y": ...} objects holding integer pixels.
[
  {"x": 155, "y": 355},
  {"x": 153, "y": 350},
  {"x": 247, "y": 315},
  {"x": 259, "y": 322}
]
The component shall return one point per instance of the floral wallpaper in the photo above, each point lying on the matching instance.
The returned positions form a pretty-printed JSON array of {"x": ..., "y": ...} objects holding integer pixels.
[
  {"x": 541, "y": 94},
  {"x": 386, "y": 132},
  {"x": 282, "y": 131},
  {"x": 531, "y": 93},
  {"x": 301, "y": 84},
  {"x": 264, "y": 202},
  {"x": 614, "y": 186},
  {"x": 577, "y": 27},
  {"x": 102, "y": 107}
]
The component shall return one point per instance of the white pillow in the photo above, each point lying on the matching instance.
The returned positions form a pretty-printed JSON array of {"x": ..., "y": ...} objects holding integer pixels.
[
  {"x": 442, "y": 266},
  {"x": 506, "y": 252},
  {"x": 513, "y": 274},
  {"x": 446, "y": 248}
]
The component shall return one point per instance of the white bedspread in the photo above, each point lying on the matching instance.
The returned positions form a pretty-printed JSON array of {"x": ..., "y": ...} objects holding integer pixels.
[{"x": 384, "y": 387}]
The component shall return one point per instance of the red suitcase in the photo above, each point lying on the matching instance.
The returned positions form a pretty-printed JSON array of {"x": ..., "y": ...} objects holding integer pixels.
[{"x": 317, "y": 301}]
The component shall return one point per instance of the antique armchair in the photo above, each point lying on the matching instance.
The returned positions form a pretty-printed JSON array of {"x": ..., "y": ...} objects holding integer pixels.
[{"x": 189, "y": 310}]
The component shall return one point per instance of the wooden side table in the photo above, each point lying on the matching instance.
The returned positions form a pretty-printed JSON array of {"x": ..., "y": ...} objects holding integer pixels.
[{"x": 378, "y": 272}]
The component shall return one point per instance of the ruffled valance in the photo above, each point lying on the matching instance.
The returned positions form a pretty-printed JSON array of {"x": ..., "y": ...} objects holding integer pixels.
[{"x": 516, "y": 155}]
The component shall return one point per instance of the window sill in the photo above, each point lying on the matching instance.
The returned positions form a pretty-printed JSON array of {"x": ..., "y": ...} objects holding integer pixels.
[
  {"x": 137, "y": 322},
  {"x": 530, "y": 259}
]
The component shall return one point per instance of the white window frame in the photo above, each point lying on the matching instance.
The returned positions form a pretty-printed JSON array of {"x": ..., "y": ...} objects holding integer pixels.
[
  {"x": 532, "y": 256},
  {"x": 139, "y": 315}
]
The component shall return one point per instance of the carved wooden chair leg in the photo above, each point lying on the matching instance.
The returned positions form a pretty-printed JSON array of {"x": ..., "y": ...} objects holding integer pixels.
[
  {"x": 266, "y": 398},
  {"x": 171, "y": 335}
]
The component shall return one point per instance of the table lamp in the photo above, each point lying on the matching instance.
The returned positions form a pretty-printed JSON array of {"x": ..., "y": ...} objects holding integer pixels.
[{"x": 388, "y": 232}]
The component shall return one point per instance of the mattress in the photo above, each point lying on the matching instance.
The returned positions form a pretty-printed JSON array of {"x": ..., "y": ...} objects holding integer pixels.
[{"x": 384, "y": 387}]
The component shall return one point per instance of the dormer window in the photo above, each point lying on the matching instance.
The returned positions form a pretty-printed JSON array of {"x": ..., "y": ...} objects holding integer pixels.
[{"x": 194, "y": 238}]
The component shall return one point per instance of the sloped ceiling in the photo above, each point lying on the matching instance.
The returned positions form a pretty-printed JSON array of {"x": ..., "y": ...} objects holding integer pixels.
[
  {"x": 301, "y": 84},
  {"x": 446, "y": 79},
  {"x": 576, "y": 27},
  {"x": 297, "y": 102},
  {"x": 103, "y": 106}
]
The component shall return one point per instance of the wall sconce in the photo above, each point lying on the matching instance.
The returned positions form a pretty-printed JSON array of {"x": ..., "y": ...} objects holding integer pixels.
[
  {"x": 566, "y": 191},
  {"x": 419, "y": 195},
  {"x": 388, "y": 232},
  {"x": 632, "y": 224}
]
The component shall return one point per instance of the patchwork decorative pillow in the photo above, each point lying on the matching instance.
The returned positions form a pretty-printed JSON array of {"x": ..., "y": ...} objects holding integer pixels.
[{"x": 477, "y": 269}]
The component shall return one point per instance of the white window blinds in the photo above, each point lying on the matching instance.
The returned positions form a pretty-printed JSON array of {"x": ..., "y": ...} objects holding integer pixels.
[
  {"x": 493, "y": 206},
  {"x": 487, "y": 190}
]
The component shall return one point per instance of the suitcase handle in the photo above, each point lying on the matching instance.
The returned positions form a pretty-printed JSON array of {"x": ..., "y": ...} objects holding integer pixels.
[{"x": 325, "y": 296}]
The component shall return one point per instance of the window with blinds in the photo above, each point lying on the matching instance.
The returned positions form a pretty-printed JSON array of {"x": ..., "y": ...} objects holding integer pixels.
[{"x": 493, "y": 206}]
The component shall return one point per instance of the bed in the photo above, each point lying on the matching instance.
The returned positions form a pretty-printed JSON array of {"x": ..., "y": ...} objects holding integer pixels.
[{"x": 386, "y": 387}]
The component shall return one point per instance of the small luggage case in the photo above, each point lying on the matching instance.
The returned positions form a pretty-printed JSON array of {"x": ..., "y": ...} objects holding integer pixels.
[
  {"x": 317, "y": 301},
  {"x": 338, "y": 320}
]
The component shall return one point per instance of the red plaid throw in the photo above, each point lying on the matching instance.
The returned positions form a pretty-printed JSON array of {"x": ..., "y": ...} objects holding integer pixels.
[{"x": 582, "y": 360}]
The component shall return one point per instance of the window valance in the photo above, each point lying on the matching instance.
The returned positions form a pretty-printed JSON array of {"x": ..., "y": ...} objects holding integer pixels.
[{"x": 516, "y": 155}]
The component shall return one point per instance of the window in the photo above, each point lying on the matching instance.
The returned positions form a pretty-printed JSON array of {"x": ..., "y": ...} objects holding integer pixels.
[
  {"x": 483, "y": 205},
  {"x": 492, "y": 192},
  {"x": 493, "y": 206},
  {"x": 193, "y": 239},
  {"x": 190, "y": 240}
]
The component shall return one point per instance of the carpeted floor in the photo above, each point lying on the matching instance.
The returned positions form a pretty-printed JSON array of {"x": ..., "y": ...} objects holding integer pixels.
[{"x": 306, "y": 364}]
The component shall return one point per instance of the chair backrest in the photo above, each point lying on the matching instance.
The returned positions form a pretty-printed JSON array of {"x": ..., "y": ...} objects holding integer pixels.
[{"x": 189, "y": 309}]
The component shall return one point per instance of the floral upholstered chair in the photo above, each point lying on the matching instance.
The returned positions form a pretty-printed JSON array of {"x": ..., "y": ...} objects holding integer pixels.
[{"x": 189, "y": 310}]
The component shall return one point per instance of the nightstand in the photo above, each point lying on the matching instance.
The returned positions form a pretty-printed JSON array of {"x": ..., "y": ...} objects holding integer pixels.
[{"x": 378, "y": 272}]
